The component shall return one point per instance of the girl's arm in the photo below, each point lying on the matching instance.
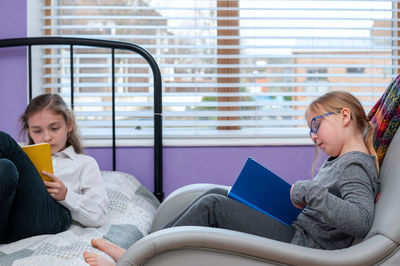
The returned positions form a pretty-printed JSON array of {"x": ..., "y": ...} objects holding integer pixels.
[
  {"x": 89, "y": 206},
  {"x": 351, "y": 211}
]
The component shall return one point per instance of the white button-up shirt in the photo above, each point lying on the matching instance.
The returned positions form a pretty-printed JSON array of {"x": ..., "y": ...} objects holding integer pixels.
[{"x": 86, "y": 195}]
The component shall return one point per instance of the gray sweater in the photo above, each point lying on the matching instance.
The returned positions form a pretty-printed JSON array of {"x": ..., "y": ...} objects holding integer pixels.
[{"x": 339, "y": 202}]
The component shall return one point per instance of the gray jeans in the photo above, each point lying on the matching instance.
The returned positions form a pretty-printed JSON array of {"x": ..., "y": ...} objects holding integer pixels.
[{"x": 215, "y": 209}]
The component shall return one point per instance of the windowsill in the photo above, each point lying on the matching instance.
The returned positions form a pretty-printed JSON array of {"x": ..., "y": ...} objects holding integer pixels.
[
  {"x": 199, "y": 142},
  {"x": 200, "y": 138}
]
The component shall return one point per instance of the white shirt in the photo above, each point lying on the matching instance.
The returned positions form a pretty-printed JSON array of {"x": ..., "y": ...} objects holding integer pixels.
[{"x": 86, "y": 197}]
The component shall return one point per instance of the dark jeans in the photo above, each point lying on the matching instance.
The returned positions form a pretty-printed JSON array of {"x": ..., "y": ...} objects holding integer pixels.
[
  {"x": 215, "y": 209},
  {"x": 26, "y": 208}
]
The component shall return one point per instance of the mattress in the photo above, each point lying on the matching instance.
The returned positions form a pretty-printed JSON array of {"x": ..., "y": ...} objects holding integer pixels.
[{"x": 131, "y": 207}]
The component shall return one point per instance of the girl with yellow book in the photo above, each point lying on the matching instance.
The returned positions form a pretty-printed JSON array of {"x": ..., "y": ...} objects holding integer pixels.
[{"x": 30, "y": 206}]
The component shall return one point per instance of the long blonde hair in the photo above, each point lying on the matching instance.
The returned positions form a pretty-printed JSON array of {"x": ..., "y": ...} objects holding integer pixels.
[
  {"x": 334, "y": 102},
  {"x": 56, "y": 104}
]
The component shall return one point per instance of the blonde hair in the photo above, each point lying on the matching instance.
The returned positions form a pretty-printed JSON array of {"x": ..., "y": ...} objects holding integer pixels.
[
  {"x": 334, "y": 102},
  {"x": 56, "y": 104}
]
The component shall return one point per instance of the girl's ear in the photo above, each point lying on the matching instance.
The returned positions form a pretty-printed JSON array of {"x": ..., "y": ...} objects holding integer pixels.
[
  {"x": 70, "y": 126},
  {"x": 345, "y": 115}
]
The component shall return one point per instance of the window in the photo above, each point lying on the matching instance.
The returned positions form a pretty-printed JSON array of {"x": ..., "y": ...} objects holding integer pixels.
[
  {"x": 355, "y": 70},
  {"x": 317, "y": 74},
  {"x": 239, "y": 69}
]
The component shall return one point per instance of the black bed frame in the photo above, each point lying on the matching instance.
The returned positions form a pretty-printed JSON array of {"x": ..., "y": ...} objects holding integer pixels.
[{"x": 112, "y": 45}]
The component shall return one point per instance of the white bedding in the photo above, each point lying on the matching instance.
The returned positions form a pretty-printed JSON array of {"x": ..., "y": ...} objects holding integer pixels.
[{"x": 131, "y": 209}]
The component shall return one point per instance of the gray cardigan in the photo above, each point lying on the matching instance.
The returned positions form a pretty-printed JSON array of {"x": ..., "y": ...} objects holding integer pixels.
[{"x": 339, "y": 202}]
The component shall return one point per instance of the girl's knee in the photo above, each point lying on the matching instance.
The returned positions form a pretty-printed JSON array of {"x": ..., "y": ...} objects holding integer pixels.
[
  {"x": 4, "y": 136},
  {"x": 210, "y": 197},
  {"x": 212, "y": 201},
  {"x": 217, "y": 190},
  {"x": 8, "y": 175},
  {"x": 7, "y": 144}
]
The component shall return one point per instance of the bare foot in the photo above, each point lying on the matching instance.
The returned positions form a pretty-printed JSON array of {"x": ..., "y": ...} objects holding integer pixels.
[
  {"x": 109, "y": 248},
  {"x": 94, "y": 259}
]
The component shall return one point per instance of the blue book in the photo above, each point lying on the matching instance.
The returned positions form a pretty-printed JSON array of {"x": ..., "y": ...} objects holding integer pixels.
[{"x": 263, "y": 190}]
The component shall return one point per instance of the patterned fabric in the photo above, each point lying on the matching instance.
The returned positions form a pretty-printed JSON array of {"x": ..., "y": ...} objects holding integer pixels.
[
  {"x": 131, "y": 208},
  {"x": 385, "y": 115}
]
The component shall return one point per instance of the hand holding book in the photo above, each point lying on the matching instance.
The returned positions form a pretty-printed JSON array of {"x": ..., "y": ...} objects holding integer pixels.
[
  {"x": 298, "y": 206},
  {"x": 56, "y": 187}
]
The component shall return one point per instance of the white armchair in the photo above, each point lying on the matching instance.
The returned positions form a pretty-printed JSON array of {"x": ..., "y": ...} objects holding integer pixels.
[{"x": 191, "y": 245}]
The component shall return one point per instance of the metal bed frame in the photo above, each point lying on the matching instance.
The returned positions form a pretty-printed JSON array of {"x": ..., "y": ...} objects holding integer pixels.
[{"x": 112, "y": 45}]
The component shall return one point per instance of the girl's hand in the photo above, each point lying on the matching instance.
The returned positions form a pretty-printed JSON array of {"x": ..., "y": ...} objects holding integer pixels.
[
  {"x": 56, "y": 188},
  {"x": 298, "y": 206}
]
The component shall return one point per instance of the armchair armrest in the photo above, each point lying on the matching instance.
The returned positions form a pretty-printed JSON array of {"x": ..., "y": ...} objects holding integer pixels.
[{"x": 213, "y": 246}]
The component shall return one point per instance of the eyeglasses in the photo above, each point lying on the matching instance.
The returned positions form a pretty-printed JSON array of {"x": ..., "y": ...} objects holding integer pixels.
[{"x": 314, "y": 125}]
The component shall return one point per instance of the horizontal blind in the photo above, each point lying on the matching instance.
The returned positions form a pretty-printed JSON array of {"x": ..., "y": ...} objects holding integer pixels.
[{"x": 230, "y": 68}]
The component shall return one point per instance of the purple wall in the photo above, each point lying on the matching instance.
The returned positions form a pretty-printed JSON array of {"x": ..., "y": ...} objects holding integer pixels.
[
  {"x": 13, "y": 90},
  {"x": 220, "y": 165},
  {"x": 182, "y": 165}
]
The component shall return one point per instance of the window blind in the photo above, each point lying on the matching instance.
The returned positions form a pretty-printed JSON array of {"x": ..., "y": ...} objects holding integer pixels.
[{"x": 230, "y": 68}]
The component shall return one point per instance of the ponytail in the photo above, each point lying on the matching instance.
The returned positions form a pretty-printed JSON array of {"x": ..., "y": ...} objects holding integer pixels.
[{"x": 369, "y": 142}]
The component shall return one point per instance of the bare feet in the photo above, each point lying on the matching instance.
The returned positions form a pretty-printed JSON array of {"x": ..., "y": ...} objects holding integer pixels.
[
  {"x": 94, "y": 259},
  {"x": 114, "y": 251},
  {"x": 109, "y": 248}
]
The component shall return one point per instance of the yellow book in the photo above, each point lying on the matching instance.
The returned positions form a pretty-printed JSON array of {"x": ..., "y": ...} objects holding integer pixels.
[{"x": 40, "y": 155}]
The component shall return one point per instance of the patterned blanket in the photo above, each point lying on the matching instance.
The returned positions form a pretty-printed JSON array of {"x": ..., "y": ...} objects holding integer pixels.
[
  {"x": 385, "y": 115},
  {"x": 131, "y": 208}
]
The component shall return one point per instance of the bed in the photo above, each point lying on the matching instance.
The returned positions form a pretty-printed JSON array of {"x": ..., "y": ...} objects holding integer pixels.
[{"x": 131, "y": 205}]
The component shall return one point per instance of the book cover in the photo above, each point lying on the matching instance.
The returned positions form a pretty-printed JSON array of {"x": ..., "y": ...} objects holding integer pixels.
[
  {"x": 40, "y": 155},
  {"x": 261, "y": 189}
]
